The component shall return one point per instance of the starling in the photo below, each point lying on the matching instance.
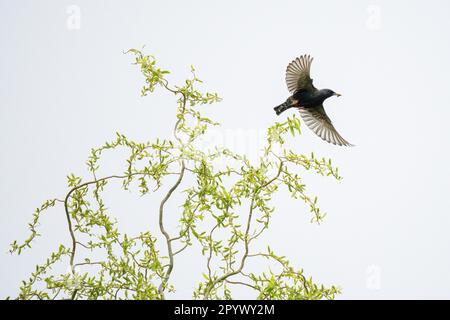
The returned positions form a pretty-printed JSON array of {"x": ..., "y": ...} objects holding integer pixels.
[{"x": 309, "y": 101}]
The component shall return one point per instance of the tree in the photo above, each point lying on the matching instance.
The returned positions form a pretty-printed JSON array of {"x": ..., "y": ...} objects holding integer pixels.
[{"x": 225, "y": 210}]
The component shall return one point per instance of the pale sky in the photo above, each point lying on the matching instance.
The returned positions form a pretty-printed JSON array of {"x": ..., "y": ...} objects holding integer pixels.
[{"x": 67, "y": 87}]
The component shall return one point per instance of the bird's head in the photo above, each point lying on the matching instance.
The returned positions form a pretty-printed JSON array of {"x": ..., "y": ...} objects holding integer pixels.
[{"x": 329, "y": 93}]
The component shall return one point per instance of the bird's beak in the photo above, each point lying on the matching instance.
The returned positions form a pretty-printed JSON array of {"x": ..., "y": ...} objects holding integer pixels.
[{"x": 337, "y": 94}]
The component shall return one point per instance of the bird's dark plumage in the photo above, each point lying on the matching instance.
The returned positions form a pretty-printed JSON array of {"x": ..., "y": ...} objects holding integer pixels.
[{"x": 309, "y": 101}]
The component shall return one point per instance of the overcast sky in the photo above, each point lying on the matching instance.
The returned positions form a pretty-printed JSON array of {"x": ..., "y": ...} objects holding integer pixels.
[{"x": 65, "y": 86}]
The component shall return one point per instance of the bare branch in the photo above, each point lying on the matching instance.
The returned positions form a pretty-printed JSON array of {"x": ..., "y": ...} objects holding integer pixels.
[{"x": 164, "y": 281}]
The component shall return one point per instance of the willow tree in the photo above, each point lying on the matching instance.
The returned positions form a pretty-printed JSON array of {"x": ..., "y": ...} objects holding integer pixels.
[{"x": 225, "y": 210}]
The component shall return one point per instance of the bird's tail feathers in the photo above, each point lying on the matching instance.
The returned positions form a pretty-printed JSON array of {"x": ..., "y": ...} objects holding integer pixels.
[{"x": 284, "y": 106}]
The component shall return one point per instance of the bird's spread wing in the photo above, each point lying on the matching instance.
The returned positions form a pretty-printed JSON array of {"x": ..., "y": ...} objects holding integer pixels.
[
  {"x": 317, "y": 120},
  {"x": 297, "y": 75}
]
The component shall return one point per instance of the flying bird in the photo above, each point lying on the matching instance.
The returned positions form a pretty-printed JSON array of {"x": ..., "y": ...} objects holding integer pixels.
[{"x": 309, "y": 101}]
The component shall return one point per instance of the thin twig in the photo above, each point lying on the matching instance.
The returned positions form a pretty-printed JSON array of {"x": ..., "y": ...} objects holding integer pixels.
[
  {"x": 181, "y": 249},
  {"x": 242, "y": 283}
]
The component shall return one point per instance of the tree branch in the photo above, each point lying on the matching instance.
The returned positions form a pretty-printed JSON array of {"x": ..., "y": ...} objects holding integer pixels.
[{"x": 164, "y": 281}]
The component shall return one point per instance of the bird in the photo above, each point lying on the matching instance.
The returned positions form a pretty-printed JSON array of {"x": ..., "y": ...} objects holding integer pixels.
[{"x": 309, "y": 101}]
